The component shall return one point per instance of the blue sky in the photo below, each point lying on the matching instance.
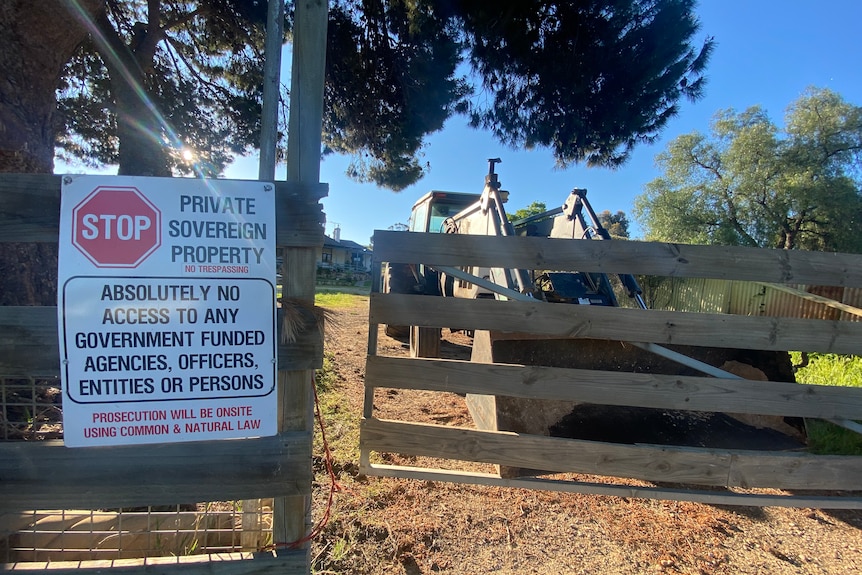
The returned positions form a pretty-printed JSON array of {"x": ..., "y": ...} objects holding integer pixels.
[{"x": 768, "y": 52}]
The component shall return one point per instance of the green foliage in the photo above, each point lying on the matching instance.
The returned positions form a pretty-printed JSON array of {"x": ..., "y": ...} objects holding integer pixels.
[
  {"x": 533, "y": 209},
  {"x": 750, "y": 184},
  {"x": 337, "y": 299},
  {"x": 165, "y": 87},
  {"x": 587, "y": 79},
  {"x": 342, "y": 429},
  {"x": 326, "y": 378},
  {"x": 617, "y": 224},
  {"x": 390, "y": 81},
  {"x": 825, "y": 438},
  {"x": 830, "y": 369}
]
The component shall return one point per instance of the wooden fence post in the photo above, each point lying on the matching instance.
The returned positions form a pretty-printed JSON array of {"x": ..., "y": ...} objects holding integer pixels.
[{"x": 292, "y": 515}]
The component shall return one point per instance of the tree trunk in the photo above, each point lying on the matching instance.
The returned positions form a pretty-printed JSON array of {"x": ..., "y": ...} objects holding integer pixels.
[
  {"x": 36, "y": 41},
  {"x": 139, "y": 130},
  {"x": 140, "y": 125},
  {"x": 37, "y": 38}
]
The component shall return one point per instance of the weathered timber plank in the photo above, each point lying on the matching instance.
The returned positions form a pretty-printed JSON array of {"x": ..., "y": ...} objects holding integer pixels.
[
  {"x": 648, "y": 258},
  {"x": 302, "y": 191},
  {"x": 285, "y": 563},
  {"x": 616, "y": 388},
  {"x": 656, "y": 326},
  {"x": 29, "y": 207},
  {"x": 291, "y": 518},
  {"x": 298, "y": 222},
  {"x": 29, "y": 343},
  {"x": 30, "y": 210},
  {"x": 48, "y": 475},
  {"x": 571, "y": 486},
  {"x": 552, "y": 454},
  {"x": 306, "y": 350},
  {"x": 729, "y": 468}
]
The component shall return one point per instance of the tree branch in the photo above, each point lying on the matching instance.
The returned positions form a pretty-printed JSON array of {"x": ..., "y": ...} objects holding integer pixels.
[
  {"x": 698, "y": 162},
  {"x": 112, "y": 49},
  {"x": 173, "y": 53}
]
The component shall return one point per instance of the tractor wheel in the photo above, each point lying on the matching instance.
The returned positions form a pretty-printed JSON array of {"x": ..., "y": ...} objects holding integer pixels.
[
  {"x": 397, "y": 278},
  {"x": 425, "y": 341}
]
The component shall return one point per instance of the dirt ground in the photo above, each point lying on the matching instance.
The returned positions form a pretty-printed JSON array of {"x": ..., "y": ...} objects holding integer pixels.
[{"x": 397, "y": 526}]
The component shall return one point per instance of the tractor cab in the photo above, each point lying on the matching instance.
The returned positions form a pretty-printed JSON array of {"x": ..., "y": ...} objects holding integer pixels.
[{"x": 431, "y": 211}]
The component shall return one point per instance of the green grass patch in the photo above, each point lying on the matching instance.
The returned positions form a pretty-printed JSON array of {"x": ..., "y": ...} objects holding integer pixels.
[
  {"x": 326, "y": 377},
  {"x": 337, "y": 299},
  {"x": 341, "y": 420},
  {"x": 826, "y": 438},
  {"x": 830, "y": 369},
  {"x": 355, "y": 535}
]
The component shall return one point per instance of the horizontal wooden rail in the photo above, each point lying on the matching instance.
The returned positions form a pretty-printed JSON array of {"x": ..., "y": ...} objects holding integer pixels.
[
  {"x": 598, "y": 322},
  {"x": 286, "y": 563},
  {"x": 538, "y": 320},
  {"x": 714, "y": 497},
  {"x": 30, "y": 210},
  {"x": 29, "y": 343},
  {"x": 47, "y": 475},
  {"x": 647, "y": 258},
  {"x": 729, "y": 468},
  {"x": 616, "y": 388}
]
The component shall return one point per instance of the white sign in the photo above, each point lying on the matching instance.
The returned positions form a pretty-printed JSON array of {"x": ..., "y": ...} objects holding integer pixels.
[{"x": 166, "y": 310}]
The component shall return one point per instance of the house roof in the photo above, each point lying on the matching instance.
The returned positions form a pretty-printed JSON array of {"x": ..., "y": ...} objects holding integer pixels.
[{"x": 344, "y": 244}]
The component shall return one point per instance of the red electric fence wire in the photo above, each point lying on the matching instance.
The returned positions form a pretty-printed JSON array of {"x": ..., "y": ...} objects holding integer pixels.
[{"x": 334, "y": 486}]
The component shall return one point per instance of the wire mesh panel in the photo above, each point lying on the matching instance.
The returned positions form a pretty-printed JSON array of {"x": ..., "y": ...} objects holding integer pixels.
[
  {"x": 83, "y": 535},
  {"x": 30, "y": 409}
]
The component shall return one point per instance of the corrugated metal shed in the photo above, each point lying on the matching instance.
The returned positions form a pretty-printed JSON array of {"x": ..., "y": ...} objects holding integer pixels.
[
  {"x": 852, "y": 296},
  {"x": 781, "y": 304},
  {"x": 748, "y": 298}
]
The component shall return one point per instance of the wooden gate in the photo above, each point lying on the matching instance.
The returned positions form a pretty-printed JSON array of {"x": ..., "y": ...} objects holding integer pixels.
[
  {"x": 38, "y": 473},
  {"x": 731, "y": 476}
]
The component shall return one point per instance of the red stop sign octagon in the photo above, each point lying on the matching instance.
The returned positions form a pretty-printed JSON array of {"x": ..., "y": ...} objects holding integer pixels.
[{"x": 116, "y": 227}]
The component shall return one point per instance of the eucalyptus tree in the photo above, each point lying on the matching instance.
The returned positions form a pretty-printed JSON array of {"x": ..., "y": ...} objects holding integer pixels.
[
  {"x": 617, "y": 223},
  {"x": 749, "y": 182}
]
